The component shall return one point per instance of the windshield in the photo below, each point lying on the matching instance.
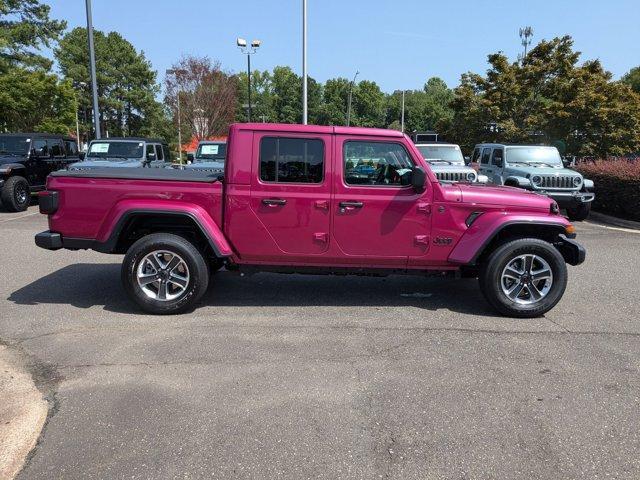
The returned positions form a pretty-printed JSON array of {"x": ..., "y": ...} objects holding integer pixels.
[
  {"x": 119, "y": 150},
  {"x": 533, "y": 155},
  {"x": 211, "y": 151},
  {"x": 14, "y": 144},
  {"x": 444, "y": 153}
]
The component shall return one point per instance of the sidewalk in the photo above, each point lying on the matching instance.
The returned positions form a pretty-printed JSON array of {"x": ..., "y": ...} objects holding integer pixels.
[
  {"x": 613, "y": 221},
  {"x": 23, "y": 412}
]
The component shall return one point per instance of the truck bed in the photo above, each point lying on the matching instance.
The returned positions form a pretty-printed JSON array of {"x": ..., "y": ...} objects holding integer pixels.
[{"x": 91, "y": 202}]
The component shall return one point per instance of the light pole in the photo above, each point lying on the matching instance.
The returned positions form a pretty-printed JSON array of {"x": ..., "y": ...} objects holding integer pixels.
[
  {"x": 176, "y": 73},
  {"x": 92, "y": 62},
  {"x": 305, "y": 107},
  {"x": 80, "y": 84},
  {"x": 402, "y": 115},
  {"x": 248, "y": 51},
  {"x": 350, "y": 95}
]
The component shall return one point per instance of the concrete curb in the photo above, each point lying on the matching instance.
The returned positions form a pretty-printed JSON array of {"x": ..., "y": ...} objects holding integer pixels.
[
  {"x": 613, "y": 221},
  {"x": 23, "y": 413}
]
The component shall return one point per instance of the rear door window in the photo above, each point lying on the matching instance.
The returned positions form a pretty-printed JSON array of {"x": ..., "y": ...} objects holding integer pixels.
[
  {"x": 71, "y": 148},
  {"x": 291, "y": 160},
  {"x": 159, "y": 152}
]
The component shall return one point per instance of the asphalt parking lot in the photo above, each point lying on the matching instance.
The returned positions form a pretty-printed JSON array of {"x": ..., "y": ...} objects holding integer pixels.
[{"x": 327, "y": 377}]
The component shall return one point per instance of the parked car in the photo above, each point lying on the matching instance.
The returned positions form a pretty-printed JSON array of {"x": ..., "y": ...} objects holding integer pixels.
[
  {"x": 288, "y": 203},
  {"x": 25, "y": 161},
  {"x": 209, "y": 156},
  {"x": 538, "y": 169},
  {"x": 447, "y": 162},
  {"x": 127, "y": 152}
]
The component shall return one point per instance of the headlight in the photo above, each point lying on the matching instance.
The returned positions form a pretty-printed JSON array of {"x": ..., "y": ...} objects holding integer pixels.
[
  {"x": 536, "y": 180},
  {"x": 471, "y": 176},
  {"x": 577, "y": 181}
]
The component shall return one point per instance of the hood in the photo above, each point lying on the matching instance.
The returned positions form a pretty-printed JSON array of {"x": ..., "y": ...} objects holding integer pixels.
[
  {"x": 444, "y": 167},
  {"x": 107, "y": 163},
  {"x": 522, "y": 170},
  {"x": 210, "y": 165},
  {"x": 5, "y": 159},
  {"x": 505, "y": 196}
]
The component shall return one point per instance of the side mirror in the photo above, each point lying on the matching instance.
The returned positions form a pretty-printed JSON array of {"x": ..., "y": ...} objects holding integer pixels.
[
  {"x": 81, "y": 155},
  {"x": 190, "y": 157},
  {"x": 418, "y": 179},
  {"x": 483, "y": 179},
  {"x": 467, "y": 160}
]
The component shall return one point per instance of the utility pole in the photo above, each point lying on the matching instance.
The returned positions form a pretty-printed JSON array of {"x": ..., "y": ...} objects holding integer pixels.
[
  {"x": 402, "y": 115},
  {"x": 176, "y": 73},
  {"x": 350, "y": 96},
  {"x": 526, "y": 34},
  {"x": 305, "y": 109},
  {"x": 92, "y": 61}
]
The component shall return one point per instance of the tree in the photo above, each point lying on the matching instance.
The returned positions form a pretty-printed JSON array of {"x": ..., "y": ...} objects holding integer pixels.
[
  {"x": 632, "y": 78},
  {"x": 549, "y": 98},
  {"x": 207, "y": 96},
  {"x": 25, "y": 26},
  {"x": 126, "y": 83},
  {"x": 35, "y": 101},
  {"x": 426, "y": 109}
]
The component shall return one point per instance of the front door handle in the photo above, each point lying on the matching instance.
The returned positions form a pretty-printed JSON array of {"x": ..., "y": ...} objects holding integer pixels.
[
  {"x": 272, "y": 202},
  {"x": 351, "y": 204}
]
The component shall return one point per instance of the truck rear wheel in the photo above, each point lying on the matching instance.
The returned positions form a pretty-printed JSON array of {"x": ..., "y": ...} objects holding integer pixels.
[
  {"x": 164, "y": 273},
  {"x": 524, "y": 278},
  {"x": 579, "y": 212},
  {"x": 16, "y": 195}
]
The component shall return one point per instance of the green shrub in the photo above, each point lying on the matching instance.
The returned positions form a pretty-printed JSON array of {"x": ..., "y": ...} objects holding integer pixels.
[{"x": 617, "y": 186}]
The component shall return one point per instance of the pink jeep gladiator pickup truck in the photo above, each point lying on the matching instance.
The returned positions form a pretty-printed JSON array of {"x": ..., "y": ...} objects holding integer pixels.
[{"x": 311, "y": 199}]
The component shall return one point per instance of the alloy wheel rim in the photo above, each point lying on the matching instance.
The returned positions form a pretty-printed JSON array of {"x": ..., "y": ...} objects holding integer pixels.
[
  {"x": 163, "y": 275},
  {"x": 21, "y": 194},
  {"x": 526, "y": 279}
]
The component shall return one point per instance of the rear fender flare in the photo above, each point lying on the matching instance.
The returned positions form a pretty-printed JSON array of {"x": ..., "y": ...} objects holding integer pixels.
[{"x": 124, "y": 211}]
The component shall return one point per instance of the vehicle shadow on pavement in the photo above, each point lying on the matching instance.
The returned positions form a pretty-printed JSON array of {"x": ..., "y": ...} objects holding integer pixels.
[{"x": 88, "y": 285}]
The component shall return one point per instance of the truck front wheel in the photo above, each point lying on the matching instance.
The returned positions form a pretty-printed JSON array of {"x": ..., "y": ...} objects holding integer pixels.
[
  {"x": 16, "y": 194},
  {"x": 579, "y": 212},
  {"x": 164, "y": 273},
  {"x": 524, "y": 278}
]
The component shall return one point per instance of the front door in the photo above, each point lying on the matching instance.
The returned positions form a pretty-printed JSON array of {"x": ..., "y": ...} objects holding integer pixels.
[
  {"x": 376, "y": 219},
  {"x": 291, "y": 191},
  {"x": 485, "y": 164}
]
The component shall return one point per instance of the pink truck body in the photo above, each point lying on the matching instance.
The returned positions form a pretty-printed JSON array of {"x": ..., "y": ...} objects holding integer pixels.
[{"x": 395, "y": 228}]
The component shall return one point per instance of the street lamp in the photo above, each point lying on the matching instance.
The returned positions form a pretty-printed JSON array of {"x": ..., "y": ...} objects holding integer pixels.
[
  {"x": 81, "y": 85},
  {"x": 92, "y": 64},
  {"x": 176, "y": 73},
  {"x": 350, "y": 95},
  {"x": 248, "y": 50},
  {"x": 305, "y": 106}
]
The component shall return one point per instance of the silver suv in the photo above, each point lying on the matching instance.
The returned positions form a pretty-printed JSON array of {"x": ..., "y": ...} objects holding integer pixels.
[
  {"x": 536, "y": 168},
  {"x": 447, "y": 162}
]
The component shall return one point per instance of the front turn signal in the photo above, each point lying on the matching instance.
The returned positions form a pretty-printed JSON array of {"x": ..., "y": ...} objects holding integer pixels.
[{"x": 570, "y": 230}]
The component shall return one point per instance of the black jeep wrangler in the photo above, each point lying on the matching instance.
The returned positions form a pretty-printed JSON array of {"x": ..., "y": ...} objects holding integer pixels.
[{"x": 25, "y": 161}]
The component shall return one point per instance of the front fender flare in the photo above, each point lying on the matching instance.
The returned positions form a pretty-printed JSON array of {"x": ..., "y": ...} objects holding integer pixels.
[
  {"x": 8, "y": 168},
  {"x": 521, "y": 182},
  {"x": 490, "y": 224},
  {"x": 125, "y": 210}
]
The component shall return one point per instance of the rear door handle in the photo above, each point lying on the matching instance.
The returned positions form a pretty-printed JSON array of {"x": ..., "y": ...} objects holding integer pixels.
[
  {"x": 274, "y": 201},
  {"x": 351, "y": 204}
]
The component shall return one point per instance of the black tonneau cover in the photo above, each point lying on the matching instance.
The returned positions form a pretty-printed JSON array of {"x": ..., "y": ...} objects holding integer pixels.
[{"x": 174, "y": 175}]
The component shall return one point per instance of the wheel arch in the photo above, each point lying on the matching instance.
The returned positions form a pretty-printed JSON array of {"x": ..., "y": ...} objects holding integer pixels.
[{"x": 135, "y": 224}]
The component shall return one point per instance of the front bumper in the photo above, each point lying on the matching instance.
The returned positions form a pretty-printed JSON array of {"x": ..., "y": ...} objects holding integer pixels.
[
  {"x": 572, "y": 251},
  {"x": 569, "y": 199}
]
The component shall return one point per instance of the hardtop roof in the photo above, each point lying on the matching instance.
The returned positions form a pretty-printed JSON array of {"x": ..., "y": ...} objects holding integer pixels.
[{"x": 317, "y": 129}]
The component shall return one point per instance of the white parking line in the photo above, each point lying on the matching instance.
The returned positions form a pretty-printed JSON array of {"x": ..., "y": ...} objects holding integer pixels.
[
  {"x": 18, "y": 218},
  {"x": 620, "y": 229}
]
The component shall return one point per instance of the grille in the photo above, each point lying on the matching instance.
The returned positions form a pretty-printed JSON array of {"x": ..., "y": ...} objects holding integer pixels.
[
  {"x": 451, "y": 176},
  {"x": 557, "y": 181}
]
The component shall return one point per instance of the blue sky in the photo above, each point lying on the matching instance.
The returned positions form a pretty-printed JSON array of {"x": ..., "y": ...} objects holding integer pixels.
[{"x": 398, "y": 44}]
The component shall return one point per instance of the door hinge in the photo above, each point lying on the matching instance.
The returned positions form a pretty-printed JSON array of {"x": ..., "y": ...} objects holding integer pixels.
[
  {"x": 321, "y": 237},
  {"x": 424, "y": 208},
  {"x": 323, "y": 204}
]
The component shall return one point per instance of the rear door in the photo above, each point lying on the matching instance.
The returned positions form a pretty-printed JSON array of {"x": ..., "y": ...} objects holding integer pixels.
[
  {"x": 497, "y": 162},
  {"x": 376, "y": 219},
  {"x": 290, "y": 192}
]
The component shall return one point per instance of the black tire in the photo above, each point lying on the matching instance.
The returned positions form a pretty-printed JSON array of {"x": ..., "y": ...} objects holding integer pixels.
[
  {"x": 579, "y": 212},
  {"x": 197, "y": 273},
  {"x": 16, "y": 194},
  {"x": 491, "y": 281}
]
